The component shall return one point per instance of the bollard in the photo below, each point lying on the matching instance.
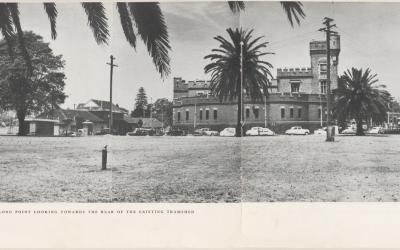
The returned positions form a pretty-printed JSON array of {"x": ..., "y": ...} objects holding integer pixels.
[{"x": 104, "y": 158}]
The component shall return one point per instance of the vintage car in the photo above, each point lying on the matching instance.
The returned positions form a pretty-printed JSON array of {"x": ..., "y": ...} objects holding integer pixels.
[
  {"x": 297, "y": 130},
  {"x": 228, "y": 132},
  {"x": 254, "y": 131}
]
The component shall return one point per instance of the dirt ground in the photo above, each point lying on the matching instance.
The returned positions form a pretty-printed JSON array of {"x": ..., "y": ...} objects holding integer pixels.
[{"x": 199, "y": 169}]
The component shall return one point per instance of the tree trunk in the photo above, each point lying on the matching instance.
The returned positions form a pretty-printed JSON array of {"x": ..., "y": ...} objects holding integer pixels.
[
  {"x": 21, "y": 122},
  {"x": 239, "y": 113},
  {"x": 359, "y": 127}
]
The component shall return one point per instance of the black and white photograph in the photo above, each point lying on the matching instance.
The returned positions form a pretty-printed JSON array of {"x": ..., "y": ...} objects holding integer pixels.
[{"x": 199, "y": 102}]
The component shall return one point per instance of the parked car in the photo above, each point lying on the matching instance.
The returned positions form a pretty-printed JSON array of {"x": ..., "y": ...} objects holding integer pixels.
[
  {"x": 205, "y": 131},
  {"x": 104, "y": 131},
  {"x": 349, "y": 130},
  {"x": 211, "y": 133},
  {"x": 176, "y": 132},
  {"x": 259, "y": 131},
  {"x": 228, "y": 132},
  {"x": 320, "y": 131},
  {"x": 297, "y": 130},
  {"x": 200, "y": 131},
  {"x": 142, "y": 132},
  {"x": 375, "y": 130}
]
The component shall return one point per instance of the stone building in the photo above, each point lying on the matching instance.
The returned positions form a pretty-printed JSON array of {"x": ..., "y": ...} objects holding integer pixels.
[{"x": 296, "y": 97}]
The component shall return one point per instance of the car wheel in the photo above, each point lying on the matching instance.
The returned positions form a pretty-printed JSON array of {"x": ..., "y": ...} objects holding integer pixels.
[{"x": 306, "y": 133}]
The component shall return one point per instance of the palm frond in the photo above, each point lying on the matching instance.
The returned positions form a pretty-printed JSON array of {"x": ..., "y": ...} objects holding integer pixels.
[
  {"x": 6, "y": 27},
  {"x": 52, "y": 13},
  {"x": 236, "y": 6},
  {"x": 126, "y": 23},
  {"x": 97, "y": 21},
  {"x": 153, "y": 31},
  {"x": 293, "y": 10},
  {"x": 13, "y": 7}
]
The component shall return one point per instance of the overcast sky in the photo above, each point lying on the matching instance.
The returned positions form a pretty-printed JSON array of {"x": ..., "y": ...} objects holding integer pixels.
[{"x": 369, "y": 38}]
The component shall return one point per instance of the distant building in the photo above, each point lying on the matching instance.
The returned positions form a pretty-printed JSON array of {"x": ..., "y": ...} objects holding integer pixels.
[
  {"x": 71, "y": 120},
  {"x": 91, "y": 117},
  {"x": 297, "y": 97},
  {"x": 101, "y": 109}
]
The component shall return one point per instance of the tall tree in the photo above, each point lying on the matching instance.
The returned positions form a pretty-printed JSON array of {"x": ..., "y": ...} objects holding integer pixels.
[
  {"x": 146, "y": 17},
  {"x": 162, "y": 110},
  {"x": 359, "y": 97},
  {"x": 225, "y": 68},
  {"x": 141, "y": 104},
  {"x": 27, "y": 91}
]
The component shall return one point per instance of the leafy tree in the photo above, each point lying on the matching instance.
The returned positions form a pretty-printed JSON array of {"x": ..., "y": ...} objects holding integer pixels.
[
  {"x": 146, "y": 17},
  {"x": 225, "y": 69},
  {"x": 34, "y": 91},
  {"x": 141, "y": 104},
  {"x": 359, "y": 97},
  {"x": 395, "y": 106},
  {"x": 162, "y": 110}
]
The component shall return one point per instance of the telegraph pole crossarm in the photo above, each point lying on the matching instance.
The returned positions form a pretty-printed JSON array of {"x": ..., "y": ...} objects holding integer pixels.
[{"x": 112, "y": 65}]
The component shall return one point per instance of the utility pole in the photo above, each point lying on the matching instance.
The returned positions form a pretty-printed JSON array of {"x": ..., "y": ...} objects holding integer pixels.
[
  {"x": 241, "y": 90},
  {"x": 112, "y": 65},
  {"x": 327, "y": 29}
]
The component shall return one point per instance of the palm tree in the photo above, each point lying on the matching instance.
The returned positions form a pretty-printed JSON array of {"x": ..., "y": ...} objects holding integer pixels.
[
  {"x": 359, "y": 97},
  {"x": 225, "y": 68},
  {"x": 147, "y": 17}
]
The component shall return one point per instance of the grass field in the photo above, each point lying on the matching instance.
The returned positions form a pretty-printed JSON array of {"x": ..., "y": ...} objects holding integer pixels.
[{"x": 199, "y": 169}]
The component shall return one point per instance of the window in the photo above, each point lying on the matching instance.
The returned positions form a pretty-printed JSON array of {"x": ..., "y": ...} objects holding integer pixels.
[
  {"x": 215, "y": 114},
  {"x": 201, "y": 114},
  {"x": 207, "y": 114},
  {"x": 323, "y": 70},
  {"x": 319, "y": 113},
  {"x": 299, "y": 113},
  {"x": 282, "y": 113},
  {"x": 323, "y": 87},
  {"x": 295, "y": 87},
  {"x": 247, "y": 112},
  {"x": 179, "y": 116},
  {"x": 256, "y": 113},
  {"x": 291, "y": 112},
  {"x": 187, "y": 115}
]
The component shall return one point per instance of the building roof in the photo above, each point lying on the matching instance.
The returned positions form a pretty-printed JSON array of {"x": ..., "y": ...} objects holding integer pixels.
[
  {"x": 147, "y": 122},
  {"x": 71, "y": 114},
  {"x": 94, "y": 104}
]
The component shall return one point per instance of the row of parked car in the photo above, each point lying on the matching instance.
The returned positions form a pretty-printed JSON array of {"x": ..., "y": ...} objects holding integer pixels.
[{"x": 254, "y": 131}]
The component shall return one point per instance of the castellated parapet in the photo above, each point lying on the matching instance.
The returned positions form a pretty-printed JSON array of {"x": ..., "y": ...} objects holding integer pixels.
[{"x": 294, "y": 72}]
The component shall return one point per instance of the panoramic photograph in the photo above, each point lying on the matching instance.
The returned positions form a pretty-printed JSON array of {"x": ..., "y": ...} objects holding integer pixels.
[{"x": 199, "y": 102}]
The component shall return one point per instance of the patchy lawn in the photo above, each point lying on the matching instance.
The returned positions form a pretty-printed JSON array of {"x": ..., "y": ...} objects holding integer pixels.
[
  {"x": 306, "y": 168},
  {"x": 142, "y": 169},
  {"x": 199, "y": 169}
]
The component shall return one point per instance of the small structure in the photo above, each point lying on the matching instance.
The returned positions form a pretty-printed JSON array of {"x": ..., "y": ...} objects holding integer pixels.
[{"x": 43, "y": 127}]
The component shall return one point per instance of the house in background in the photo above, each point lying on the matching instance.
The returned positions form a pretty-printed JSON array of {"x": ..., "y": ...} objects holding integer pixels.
[
  {"x": 101, "y": 109},
  {"x": 71, "y": 120}
]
